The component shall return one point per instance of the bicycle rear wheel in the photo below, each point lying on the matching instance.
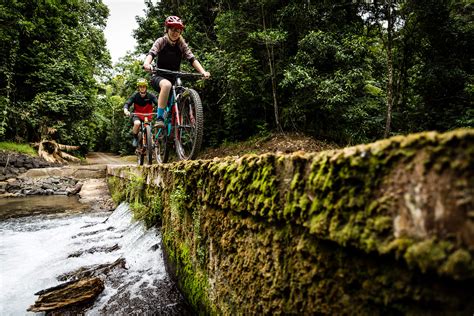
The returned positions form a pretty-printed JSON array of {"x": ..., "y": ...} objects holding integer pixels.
[
  {"x": 188, "y": 137},
  {"x": 139, "y": 150},
  {"x": 149, "y": 145},
  {"x": 160, "y": 145}
]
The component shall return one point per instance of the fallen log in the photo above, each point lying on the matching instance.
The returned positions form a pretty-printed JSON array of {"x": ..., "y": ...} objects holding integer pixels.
[
  {"x": 52, "y": 152},
  {"x": 94, "y": 270},
  {"x": 81, "y": 293}
]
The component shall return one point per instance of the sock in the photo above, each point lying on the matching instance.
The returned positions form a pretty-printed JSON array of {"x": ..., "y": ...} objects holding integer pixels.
[{"x": 161, "y": 112}]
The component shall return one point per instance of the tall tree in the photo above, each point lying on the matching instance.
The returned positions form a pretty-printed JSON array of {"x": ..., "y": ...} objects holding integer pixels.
[{"x": 53, "y": 56}]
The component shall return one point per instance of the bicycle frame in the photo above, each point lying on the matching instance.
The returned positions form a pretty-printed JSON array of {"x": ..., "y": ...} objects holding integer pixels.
[
  {"x": 172, "y": 117},
  {"x": 143, "y": 124}
]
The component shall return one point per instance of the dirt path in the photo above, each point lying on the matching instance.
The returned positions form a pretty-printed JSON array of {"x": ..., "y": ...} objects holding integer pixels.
[{"x": 98, "y": 158}]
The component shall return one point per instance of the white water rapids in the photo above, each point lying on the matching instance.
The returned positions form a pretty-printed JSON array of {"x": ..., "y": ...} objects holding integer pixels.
[{"x": 34, "y": 251}]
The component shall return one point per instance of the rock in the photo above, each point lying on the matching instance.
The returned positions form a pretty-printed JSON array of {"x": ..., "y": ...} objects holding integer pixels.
[
  {"x": 75, "y": 189},
  {"x": 9, "y": 195},
  {"x": 68, "y": 295},
  {"x": 47, "y": 186}
]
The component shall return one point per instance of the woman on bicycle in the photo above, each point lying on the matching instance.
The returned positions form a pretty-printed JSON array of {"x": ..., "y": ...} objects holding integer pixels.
[
  {"x": 143, "y": 103},
  {"x": 169, "y": 50}
]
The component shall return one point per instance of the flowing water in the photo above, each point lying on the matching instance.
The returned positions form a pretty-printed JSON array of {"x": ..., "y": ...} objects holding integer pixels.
[{"x": 35, "y": 250}]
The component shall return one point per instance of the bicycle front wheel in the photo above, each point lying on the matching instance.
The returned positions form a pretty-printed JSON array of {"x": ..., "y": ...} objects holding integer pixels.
[
  {"x": 149, "y": 145},
  {"x": 188, "y": 137},
  {"x": 139, "y": 150},
  {"x": 160, "y": 145}
]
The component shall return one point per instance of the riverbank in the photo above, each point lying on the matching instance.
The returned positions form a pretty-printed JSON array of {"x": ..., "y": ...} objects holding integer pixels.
[
  {"x": 13, "y": 164},
  {"x": 23, "y": 175}
]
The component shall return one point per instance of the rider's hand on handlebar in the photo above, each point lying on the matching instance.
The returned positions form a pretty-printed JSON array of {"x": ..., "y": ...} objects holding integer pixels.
[
  {"x": 126, "y": 112},
  {"x": 148, "y": 67},
  {"x": 206, "y": 74}
]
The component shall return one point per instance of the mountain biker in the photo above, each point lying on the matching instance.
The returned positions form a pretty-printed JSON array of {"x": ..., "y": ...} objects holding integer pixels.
[
  {"x": 169, "y": 50},
  {"x": 143, "y": 102}
]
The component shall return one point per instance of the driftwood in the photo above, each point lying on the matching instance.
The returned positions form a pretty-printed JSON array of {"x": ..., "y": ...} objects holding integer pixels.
[
  {"x": 77, "y": 294},
  {"x": 71, "y": 294},
  {"x": 98, "y": 270},
  {"x": 53, "y": 152}
]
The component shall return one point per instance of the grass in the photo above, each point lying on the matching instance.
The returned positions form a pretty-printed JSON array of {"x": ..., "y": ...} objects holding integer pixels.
[{"x": 19, "y": 148}]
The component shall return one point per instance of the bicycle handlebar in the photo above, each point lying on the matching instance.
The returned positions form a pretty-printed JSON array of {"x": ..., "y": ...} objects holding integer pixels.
[
  {"x": 178, "y": 74},
  {"x": 139, "y": 113}
]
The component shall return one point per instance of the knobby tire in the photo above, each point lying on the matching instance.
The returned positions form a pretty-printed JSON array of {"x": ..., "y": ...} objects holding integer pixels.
[
  {"x": 149, "y": 144},
  {"x": 161, "y": 147},
  {"x": 139, "y": 150},
  {"x": 188, "y": 136}
]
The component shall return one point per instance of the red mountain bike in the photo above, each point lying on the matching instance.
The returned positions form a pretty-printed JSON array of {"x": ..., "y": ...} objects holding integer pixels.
[
  {"x": 145, "y": 141},
  {"x": 184, "y": 121}
]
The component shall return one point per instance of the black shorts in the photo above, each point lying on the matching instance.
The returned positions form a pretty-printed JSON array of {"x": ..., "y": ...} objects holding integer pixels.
[
  {"x": 133, "y": 118},
  {"x": 155, "y": 82}
]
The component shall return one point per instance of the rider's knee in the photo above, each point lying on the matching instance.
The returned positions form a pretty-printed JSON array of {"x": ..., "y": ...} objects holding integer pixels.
[
  {"x": 165, "y": 84},
  {"x": 136, "y": 123}
]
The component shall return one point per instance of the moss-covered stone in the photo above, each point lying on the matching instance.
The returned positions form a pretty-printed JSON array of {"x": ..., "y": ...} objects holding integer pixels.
[{"x": 380, "y": 228}]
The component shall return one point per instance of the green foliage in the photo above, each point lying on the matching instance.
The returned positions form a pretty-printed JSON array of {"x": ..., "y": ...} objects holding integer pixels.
[
  {"x": 321, "y": 67},
  {"x": 329, "y": 76},
  {"x": 330, "y": 82},
  {"x": 112, "y": 128},
  {"x": 19, "y": 148},
  {"x": 51, "y": 83},
  {"x": 440, "y": 37}
]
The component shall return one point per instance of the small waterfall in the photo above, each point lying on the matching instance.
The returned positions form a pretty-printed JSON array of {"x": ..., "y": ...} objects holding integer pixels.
[{"x": 34, "y": 251}]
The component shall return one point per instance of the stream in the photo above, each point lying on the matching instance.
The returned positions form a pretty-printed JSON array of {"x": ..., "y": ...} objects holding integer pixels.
[{"x": 61, "y": 236}]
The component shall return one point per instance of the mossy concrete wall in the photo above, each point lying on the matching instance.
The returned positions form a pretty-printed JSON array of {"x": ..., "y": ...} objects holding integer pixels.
[{"x": 380, "y": 228}]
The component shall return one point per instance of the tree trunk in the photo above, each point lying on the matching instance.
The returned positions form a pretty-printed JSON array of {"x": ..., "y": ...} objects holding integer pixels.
[
  {"x": 389, "y": 70},
  {"x": 271, "y": 64},
  {"x": 274, "y": 92}
]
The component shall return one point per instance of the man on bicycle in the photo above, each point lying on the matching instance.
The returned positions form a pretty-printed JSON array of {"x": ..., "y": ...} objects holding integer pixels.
[
  {"x": 143, "y": 103},
  {"x": 169, "y": 50}
]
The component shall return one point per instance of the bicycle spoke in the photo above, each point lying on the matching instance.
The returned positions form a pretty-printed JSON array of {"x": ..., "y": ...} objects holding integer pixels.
[{"x": 189, "y": 133}]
